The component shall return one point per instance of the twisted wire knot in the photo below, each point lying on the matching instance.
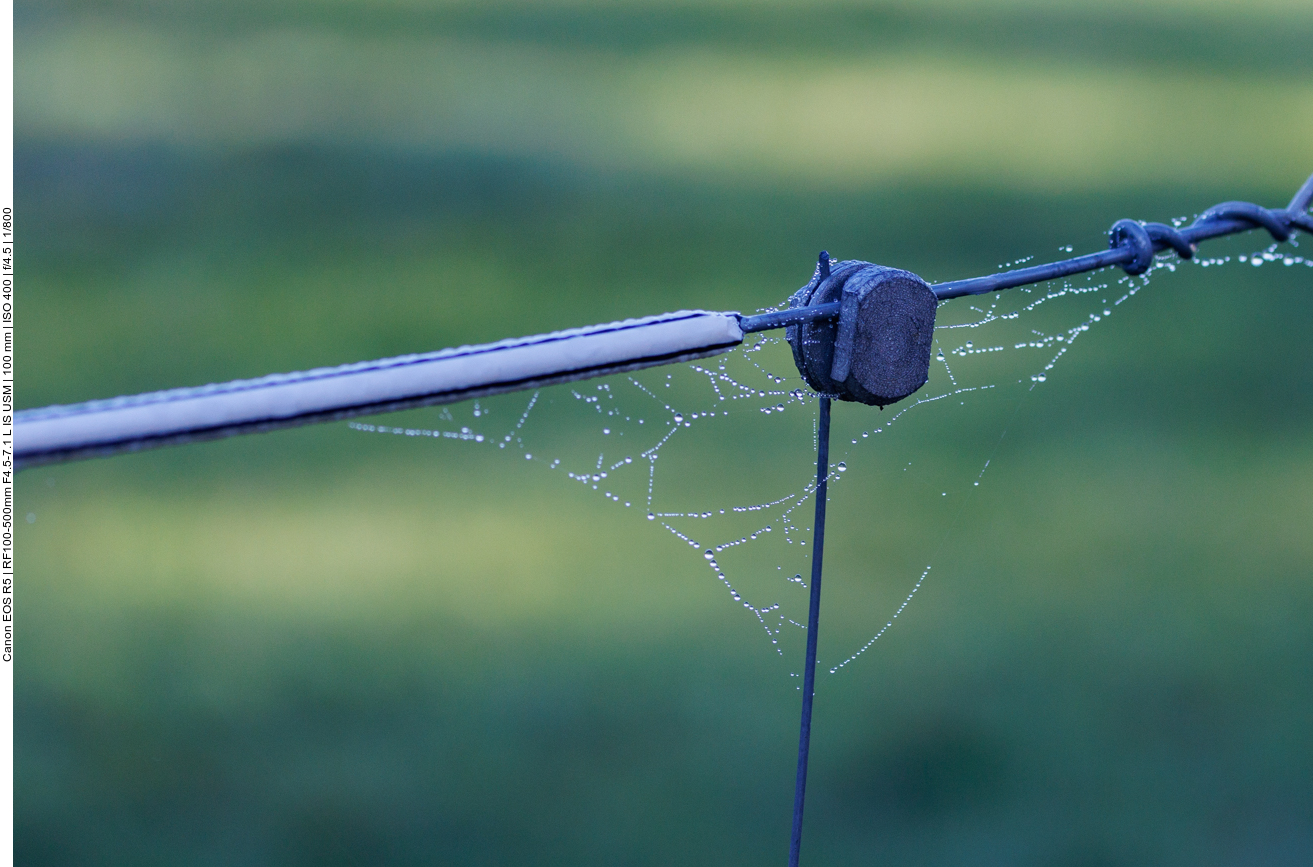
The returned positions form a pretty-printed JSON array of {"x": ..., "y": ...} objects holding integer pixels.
[
  {"x": 1130, "y": 235},
  {"x": 1140, "y": 241}
]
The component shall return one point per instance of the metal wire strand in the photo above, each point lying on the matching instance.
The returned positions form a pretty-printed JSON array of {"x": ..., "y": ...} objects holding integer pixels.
[
  {"x": 813, "y": 627},
  {"x": 103, "y": 427},
  {"x": 1131, "y": 245}
]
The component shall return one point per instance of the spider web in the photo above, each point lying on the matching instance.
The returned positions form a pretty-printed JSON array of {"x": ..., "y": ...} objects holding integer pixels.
[{"x": 718, "y": 455}]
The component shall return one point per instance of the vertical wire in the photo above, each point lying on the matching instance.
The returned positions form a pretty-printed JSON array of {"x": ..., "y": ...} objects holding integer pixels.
[{"x": 813, "y": 625}]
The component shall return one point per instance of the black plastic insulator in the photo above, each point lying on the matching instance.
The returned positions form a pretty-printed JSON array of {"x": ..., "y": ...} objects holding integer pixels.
[{"x": 877, "y": 351}]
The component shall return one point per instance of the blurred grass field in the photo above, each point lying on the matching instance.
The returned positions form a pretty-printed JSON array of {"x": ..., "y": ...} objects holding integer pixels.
[{"x": 320, "y": 647}]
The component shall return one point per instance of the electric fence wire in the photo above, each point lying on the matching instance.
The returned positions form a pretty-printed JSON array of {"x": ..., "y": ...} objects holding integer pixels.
[
  {"x": 1131, "y": 245},
  {"x": 125, "y": 424}
]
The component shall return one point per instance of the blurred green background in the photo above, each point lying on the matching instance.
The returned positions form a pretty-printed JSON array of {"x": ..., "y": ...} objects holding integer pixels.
[{"x": 316, "y": 647}]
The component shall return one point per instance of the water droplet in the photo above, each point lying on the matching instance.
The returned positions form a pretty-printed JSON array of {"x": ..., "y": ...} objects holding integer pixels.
[
  {"x": 709, "y": 555},
  {"x": 528, "y": 457},
  {"x": 678, "y": 418},
  {"x": 606, "y": 430},
  {"x": 843, "y": 468},
  {"x": 970, "y": 344},
  {"x": 651, "y": 517}
]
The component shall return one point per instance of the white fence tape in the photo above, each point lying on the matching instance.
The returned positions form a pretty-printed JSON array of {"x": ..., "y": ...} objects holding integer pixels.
[{"x": 100, "y": 427}]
